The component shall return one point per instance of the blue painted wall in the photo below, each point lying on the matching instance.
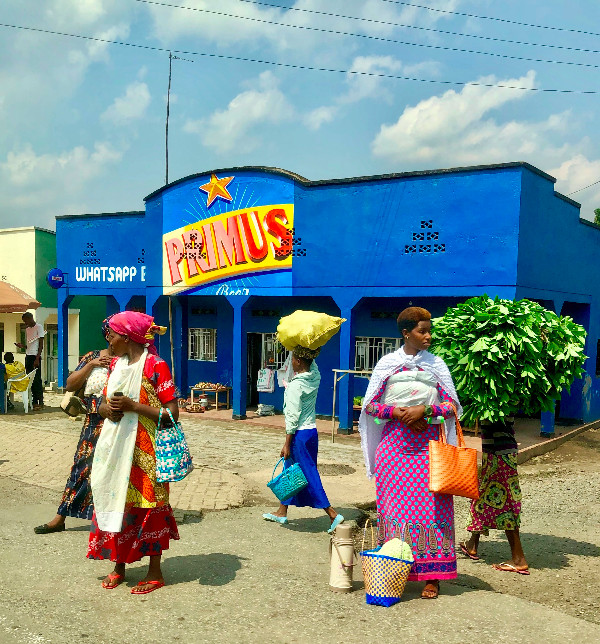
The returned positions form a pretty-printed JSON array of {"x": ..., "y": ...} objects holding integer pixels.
[
  {"x": 555, "y": 262},
  {"x": 369, "y": 244}
]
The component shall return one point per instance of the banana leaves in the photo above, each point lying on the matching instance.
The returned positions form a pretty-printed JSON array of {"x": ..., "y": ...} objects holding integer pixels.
[{"x": 508, "y": 356}]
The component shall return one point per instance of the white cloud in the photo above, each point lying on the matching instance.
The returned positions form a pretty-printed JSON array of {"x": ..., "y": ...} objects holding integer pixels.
[
  {"x": 365, "y": 79},
  {"x": 129, "y": 107},
  {"x": 81, "y": 12},
  {"x": 466, "y": 128},
  {"x": 227, "y": 129},
  {"x": 576, "y": 173},
  {"x": 37, "y": 69},
  {"x": 360, "y": 84},
  {"x": 452, "y": 126},
  {"x": 251, "y": 28},
  {"x": 45, "y": 181},
  {"x": 320, "y": 116}
]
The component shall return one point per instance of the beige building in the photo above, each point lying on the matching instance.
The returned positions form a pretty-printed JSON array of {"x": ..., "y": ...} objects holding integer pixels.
[{"x": 26, "y": 256}]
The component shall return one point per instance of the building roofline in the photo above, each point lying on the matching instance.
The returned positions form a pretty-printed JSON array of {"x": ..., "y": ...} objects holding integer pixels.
[
  {"x": 130, "y": 213},
  {"x": 567, "y": 199},
  {"x": 21, "y": 228},
  {"x": 378, "y": 177},
  {"x": 587, "y": 222}
]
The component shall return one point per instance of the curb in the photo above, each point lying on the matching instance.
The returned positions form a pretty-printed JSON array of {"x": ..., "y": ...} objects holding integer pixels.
[{"x": 547, "y": 446}]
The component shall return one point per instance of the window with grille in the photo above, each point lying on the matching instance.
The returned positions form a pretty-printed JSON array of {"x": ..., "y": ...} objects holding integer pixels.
[
  {"x": 273, "y": 353},
  {"x": 369, "y": 351},
  {"x": 202, "y": 344}
]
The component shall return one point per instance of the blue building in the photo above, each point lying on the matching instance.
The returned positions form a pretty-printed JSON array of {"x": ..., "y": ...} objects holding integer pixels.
[{"x": 220, "y": 256}]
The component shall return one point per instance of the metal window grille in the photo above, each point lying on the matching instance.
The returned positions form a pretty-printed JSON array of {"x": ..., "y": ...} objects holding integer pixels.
[
  {"x": 369, "y": 351},
  {"x": 202, "y": 344},
  {"x": 273, "y": 352}
]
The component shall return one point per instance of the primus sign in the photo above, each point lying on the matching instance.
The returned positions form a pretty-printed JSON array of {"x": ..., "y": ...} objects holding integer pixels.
[{"x": 228, "y": 245}]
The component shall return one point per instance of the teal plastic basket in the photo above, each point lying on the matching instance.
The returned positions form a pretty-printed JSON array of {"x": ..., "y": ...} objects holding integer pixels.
[{"x": 291, "y": 481}]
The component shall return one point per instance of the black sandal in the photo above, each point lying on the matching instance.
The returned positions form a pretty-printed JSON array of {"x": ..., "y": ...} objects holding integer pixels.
[{"x": 46, "y": 529}]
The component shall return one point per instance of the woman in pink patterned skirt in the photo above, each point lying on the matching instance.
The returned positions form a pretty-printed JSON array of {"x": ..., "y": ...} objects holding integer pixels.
[{"x": 412, "y": 392}]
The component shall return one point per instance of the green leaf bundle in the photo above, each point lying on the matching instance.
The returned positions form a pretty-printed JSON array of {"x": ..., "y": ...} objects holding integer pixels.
[{"x": 508, "y": 356}]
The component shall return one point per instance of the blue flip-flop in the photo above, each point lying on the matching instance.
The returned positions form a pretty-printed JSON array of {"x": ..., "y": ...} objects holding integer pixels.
[
  {"x": 335, "y": 523},
  {"x": 272, "y": 517}
]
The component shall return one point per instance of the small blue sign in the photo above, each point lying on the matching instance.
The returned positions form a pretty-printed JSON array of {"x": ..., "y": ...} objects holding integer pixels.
[{"x": 55, "y": 278}]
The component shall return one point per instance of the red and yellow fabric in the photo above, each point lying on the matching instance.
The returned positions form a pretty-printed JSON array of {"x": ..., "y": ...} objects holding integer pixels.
[{"x": 149, "y": 521}]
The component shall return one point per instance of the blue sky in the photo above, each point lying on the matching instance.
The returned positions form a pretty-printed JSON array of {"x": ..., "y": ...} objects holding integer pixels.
[{"x": 82, "y": 122}]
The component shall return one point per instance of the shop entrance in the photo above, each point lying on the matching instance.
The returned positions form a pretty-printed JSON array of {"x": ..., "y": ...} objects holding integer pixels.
[{"x": 255, "y": 341}]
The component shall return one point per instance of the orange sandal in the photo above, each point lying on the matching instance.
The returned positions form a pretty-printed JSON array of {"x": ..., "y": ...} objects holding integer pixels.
[{"x": 155, "y": 586}]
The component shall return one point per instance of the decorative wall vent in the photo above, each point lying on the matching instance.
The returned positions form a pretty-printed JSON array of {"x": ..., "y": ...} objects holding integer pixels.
[{"x": 423, "y": 236}]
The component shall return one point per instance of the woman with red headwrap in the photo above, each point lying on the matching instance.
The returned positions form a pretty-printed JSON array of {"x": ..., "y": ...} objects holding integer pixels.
[{"x": 132, "y": 517}]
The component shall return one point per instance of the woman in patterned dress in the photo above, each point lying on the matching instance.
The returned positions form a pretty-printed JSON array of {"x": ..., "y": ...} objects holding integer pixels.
[
  {"x": 132, "y": 517},
  {"x": 397, "y": 453},
  {"x": 499, "y": 503},
  {"x": 76, "y": 500}
]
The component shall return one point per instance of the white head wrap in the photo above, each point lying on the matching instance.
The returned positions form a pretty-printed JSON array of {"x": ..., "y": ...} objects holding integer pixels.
[{"x": 370, "y": 431}]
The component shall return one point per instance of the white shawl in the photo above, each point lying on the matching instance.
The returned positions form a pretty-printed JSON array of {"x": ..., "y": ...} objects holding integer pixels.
[
  {"x": 370, "y": 431},
  {"x": 113, "y": 455}
]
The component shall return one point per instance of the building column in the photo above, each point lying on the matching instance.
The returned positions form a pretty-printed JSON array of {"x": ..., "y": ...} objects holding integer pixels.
[
  {"x": 547, "y": 424},
  {"x": 240, "y": 357},
  {"x": 178, "y": 331},
  {"x": 64, "y": 299},
  {"x": 152, "y": 295},
  {"x": 345, "y": 386}
]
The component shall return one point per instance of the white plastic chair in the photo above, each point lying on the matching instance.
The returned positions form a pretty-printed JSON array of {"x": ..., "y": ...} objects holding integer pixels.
[{"x": 26, "y": 395}]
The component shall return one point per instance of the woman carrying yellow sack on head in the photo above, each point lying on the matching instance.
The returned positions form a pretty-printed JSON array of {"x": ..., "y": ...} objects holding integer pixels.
[{"x": 304, "y": 333}]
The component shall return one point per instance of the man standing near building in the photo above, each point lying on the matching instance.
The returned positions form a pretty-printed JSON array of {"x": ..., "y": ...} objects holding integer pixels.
[{"x": 33, "y": 357}]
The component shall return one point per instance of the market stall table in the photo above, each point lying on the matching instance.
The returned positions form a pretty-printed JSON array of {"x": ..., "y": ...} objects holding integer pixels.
[{"x": 211, "y": 390}]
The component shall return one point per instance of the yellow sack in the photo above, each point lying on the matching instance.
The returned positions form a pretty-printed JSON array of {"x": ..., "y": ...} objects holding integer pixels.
[{"x": 307, "y": 329}]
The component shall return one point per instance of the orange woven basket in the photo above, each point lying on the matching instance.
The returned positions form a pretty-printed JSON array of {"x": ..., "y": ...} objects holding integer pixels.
[{"x": 453, "y": 470}]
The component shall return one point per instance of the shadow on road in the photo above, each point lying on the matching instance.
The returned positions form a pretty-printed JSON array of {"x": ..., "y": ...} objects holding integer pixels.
[
  {"x": 462, "y": 584},
  {"x": 541, "y": 550},
  {"x": 214, "y": 569}
]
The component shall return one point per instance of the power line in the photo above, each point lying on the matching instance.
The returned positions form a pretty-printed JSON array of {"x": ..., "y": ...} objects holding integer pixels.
[
  {"x": 512, "y": 22},
  {"x": 389, "y": 24},
  {"x": 303, "y": 67},
  {"x": 584, "y": 188},
  {"x": 370, "y": 37}
]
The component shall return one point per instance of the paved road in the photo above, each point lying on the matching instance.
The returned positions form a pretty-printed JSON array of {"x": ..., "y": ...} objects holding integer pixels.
[{"x": 235, "y": 577}]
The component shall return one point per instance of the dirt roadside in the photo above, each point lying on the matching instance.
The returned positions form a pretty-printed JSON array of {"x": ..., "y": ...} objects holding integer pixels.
[{"x": 559, "y": 530}]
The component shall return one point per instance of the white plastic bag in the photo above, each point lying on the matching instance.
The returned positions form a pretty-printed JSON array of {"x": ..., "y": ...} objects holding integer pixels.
[
  {"x": 286, "y": 373},
  {"x": 266, "y": 381}
]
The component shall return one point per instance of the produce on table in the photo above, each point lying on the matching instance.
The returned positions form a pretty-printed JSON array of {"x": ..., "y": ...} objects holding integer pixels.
[
  {"x": 507, "y": 357},
  {"x": 217, "y": 386}
]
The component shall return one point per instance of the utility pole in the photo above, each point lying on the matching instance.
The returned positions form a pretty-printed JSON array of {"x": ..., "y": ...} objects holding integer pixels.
[
  {"x": 167, "y": 123},
  {"x": 171, "y": 59}
]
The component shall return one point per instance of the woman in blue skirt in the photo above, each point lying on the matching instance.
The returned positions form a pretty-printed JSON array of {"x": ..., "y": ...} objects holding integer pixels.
[{"x": 302, "y": 442}]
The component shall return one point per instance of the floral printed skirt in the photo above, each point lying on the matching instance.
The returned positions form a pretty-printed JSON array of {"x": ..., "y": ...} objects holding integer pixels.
[
  {"x": 499, "y": 504},
  {"x": 77, "y": 498},
  {"x": 146, "y": 531}
]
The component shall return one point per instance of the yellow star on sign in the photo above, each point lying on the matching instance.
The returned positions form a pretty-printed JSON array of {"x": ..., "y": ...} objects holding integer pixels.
[{"x": 215, "y": 189}]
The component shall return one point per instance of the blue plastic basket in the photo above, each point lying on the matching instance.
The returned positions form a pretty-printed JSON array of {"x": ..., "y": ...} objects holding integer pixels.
[{"x": 288, "y": 483}]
